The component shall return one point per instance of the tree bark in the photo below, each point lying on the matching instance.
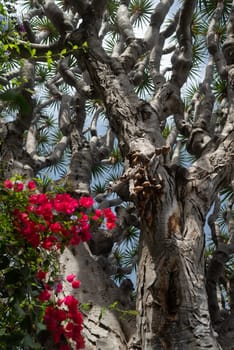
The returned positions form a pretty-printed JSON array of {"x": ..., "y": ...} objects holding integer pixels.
[{"x": 171, "y": 202}]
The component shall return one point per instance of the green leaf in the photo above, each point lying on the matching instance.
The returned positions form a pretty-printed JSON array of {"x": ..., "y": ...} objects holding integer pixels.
[
  {"x": 86, "y": 306},
  {"x": 33, "y": 52},
  {"x": 113, "y": 305},
  {"x": 102, "y": 311},
  {"x": 63, "y": 53},
  {"x": 49, "y": 59}
]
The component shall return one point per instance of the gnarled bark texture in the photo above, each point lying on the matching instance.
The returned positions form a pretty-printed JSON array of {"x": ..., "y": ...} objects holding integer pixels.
[{"x": 176, "y": 293}]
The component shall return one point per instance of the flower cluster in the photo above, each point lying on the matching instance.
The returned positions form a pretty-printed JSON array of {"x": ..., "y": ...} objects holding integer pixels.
[
  {"x": 62, "y": 316},
  {"x": 45, "y": 224},
  {"x": 49, "y": 221},
  {"x": 110, "y": 218}
]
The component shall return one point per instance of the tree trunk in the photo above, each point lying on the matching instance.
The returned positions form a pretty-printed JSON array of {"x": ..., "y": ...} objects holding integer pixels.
[
  {"x": 104, "y": 326},
  {"x": 172, "y": 203},
  {"x": 172, "y": 299}
]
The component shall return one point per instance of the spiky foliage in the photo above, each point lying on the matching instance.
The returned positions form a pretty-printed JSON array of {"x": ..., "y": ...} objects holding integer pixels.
[
  {"x": 207, "y": 8},
  {"x": 141, "y": 10},
  {"x": 53, "y": 81}
]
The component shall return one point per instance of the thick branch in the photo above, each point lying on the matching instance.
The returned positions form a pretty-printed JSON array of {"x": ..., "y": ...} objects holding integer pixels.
[
  {"x": 212, "y": 40},
  {"x": 124, "y": 23},
  {"x": 182, "y": 58},
  {"x": 56, "y": 15}
]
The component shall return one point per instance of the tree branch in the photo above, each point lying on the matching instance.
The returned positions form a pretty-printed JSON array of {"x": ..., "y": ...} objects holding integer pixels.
[
  {"x": 182, "y": 58},
  {"x": 212, "y": 40}
]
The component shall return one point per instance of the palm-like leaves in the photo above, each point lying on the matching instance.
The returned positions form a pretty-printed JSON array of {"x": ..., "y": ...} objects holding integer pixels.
[
  {"x": 141, "y": 10},
  {"x": 131, "y": 236},
  {"x": 98, "y": 187},
  {"x": 44, "y": 25},
  {"x": 222, "y": 218},
  {"x": 99, "y": 171},
  {"x": 102, "y": 174},
  {"x": 146, "y": 87},
  {"x": 207, "y": 8},
  {"x": 130, "y": 256},
  {"x": 220, "y": 89},
  {"x": 227, "y": 193}
]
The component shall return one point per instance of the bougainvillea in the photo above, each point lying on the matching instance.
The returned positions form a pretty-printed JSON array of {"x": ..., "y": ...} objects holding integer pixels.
[{"x": 35, "y": 228}]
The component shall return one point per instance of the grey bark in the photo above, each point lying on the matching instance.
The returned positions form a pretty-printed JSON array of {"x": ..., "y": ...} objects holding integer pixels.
[{"x": 177, "y": 304}]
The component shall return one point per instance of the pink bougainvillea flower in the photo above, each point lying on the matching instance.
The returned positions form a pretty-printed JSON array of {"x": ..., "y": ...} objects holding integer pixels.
[
  {"x": 30, "y": 208},
  {"x": 76, "y": 284},
  {"x": 8, "y": 184},
  {"x": 70, "y": 277}
]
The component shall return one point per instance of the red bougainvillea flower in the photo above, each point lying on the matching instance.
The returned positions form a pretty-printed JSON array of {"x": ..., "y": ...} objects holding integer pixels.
[
  {"x": 59, "y": 288},
  {"x": 41, "y": 275},
  {"x": 110, "y": 218},
  {"x": 38, "y": 198},
  {"x": 80, "y": 344},
  {"x": 74, "y": 232},
  {"x": 56, "y": 227},
  {"x": 109, "y": 214},
  {"x": 70, "y": 277},
  {"x": 84, "y": 234},
  {"x": 8, "y": 184},
  {"x": 97, "y": 214},
  {"x": 71, "y": 301},
  {"x": 64, "y": 347},
  {"x": 61, "y": 332},
  {"x": 31, "y": 185},
  {"x": 63, "y": 202},
  {"x": 86, "y": 202},
  {"x": 48, "y": 242},
  {"x": 44, "y": 295},
  {"x": 76, "y": 284},
  {"x": 53, "y": 222},
  {"x": 45, "y": 210},
  {"x": 110, "y": 225},
  {"x": 18, "y": 186}
]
